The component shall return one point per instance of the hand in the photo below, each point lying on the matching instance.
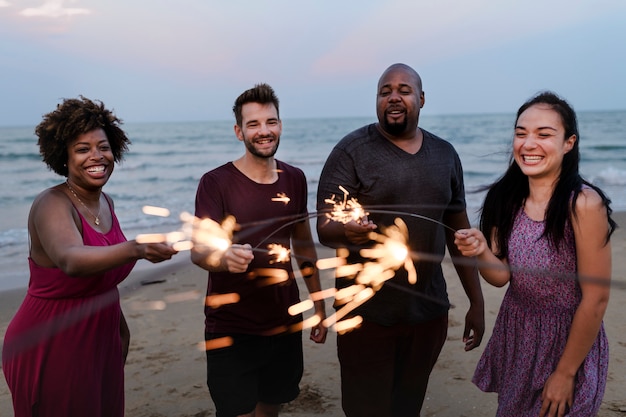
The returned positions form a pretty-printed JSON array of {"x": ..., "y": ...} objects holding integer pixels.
[
  {"x": 157, "y": 252},
  {"x": 237, "y": 258},
  {"x": 474, "y": 327},
  {"x": 470, "y": 242},
  {"x": 319, "y": 331},
  {"x": 359, "y": 233},
  {"x": 557, "y": 395}
]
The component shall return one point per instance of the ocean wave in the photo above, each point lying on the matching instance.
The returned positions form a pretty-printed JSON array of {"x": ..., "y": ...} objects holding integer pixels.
[
  {"x": 13, "y": 156},
  {"x": 610, "y": 176},
  {"x": 10, "y": 239}
]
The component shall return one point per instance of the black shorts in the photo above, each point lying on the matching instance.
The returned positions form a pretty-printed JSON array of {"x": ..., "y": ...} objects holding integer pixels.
[{"x": 254, "y": 369}]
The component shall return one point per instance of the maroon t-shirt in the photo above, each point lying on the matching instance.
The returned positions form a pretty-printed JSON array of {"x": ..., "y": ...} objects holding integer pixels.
[{"x": 262, "y": 212}]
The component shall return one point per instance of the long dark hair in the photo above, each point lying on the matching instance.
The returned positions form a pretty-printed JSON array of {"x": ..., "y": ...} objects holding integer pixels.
[{"x": 506, "y": 196}]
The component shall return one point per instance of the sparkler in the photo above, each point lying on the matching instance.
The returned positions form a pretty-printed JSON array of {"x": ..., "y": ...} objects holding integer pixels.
[
  {"x": 389, "y": 251},
  {"x": 281, "y": 253},
  {"x": 346, "y": 210}
]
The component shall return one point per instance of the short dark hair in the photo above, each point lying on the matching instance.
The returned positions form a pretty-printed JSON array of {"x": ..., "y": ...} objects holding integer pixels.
[
  {"x": 260, "y": 93},
  {"x": 72, "y": 118}
]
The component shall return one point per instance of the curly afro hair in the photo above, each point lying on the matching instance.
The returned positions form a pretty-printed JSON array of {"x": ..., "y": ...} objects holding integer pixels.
[{"x": 72, "y": 118}]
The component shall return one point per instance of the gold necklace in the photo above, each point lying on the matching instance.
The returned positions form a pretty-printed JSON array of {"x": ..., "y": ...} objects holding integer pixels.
[{"x": 97, "y": 218}]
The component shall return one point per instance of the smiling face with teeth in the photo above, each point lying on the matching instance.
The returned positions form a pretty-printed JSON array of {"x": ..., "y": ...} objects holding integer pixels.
[
  {"x": 540, "y": 144},
  {"x": 90, "y": 160},
  {"x": 399, "y": 100},
  {"x": 260, "y": 129}
]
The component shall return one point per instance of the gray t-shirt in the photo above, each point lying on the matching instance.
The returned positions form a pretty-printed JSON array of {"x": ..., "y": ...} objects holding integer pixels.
[{"x": 391, "y": 183}]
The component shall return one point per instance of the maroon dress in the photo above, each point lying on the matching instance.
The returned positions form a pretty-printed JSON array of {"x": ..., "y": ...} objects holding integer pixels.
[{"x": 62, "y": 353}]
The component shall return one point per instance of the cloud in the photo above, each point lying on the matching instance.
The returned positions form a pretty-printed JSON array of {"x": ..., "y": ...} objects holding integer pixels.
[
  {"x": 53, "y": 9},
  {"x": 4, "y": 3}
]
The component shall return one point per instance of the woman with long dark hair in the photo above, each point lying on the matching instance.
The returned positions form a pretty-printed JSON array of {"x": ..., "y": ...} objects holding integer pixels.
[{"x": 548, "y": 235}]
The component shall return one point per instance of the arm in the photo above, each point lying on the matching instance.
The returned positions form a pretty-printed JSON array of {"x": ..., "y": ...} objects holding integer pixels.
[
  {"x": 471, "y": 242},
  {"x": 468, "y": 274},
  {"x": 124, "y": 335},
  {"x": 235, "y": 259},
  {"x": 336, "y": 235},
  {"x": 594, "y": 274},
  {"x": 56, "y": 241},
  {"x": 304, "y": 251}
]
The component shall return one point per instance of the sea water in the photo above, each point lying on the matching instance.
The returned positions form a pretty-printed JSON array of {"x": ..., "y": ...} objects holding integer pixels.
[{"x": 166, "y": 160}]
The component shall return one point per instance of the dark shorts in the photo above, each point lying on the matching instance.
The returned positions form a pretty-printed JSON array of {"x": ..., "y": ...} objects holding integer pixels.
[
  {"x": 385, "y": 369},
  {"x": 254, "y": 369}
]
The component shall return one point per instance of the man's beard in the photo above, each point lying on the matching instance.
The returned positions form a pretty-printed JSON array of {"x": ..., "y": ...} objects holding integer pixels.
[
  {"x": 394, "y": 129},
  {"x": 251, "y": 148}
]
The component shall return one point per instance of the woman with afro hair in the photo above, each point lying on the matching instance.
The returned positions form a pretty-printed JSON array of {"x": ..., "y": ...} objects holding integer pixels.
[{"x": 64, "y": 351}]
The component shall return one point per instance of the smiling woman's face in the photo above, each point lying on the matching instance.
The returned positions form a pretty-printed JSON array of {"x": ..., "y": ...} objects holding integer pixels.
[
  {"x": 540, "y": 144},
  {"x": 90, "y": 160}
]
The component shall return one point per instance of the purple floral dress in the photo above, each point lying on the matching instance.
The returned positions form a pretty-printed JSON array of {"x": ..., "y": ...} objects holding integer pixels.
[{"x": 533, "y": 324}]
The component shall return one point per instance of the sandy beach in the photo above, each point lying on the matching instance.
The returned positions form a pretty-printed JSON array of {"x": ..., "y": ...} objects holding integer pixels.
[{"x": 165, "y": 372}]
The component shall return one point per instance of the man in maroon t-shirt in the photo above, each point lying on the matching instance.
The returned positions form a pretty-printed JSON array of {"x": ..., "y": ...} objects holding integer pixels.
[{"x": 261, "y": 365}]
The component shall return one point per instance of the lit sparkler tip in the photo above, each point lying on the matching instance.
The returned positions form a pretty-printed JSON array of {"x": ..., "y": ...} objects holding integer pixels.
[{"x": 281, "y": 253}]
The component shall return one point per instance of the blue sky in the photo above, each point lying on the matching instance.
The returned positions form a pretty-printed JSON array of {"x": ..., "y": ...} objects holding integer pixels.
[{"x": 187, "y": 60}]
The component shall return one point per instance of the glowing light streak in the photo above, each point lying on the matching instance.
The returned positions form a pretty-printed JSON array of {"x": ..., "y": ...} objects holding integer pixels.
[
  {"x": 220, "y": 342},
  {"x": 155, "y": 211},
  {"x": 359, "y": 298},
  {"x": 182, "y": 296},
  {"x": 329, "y": 263},
  {"x": 348, "y": 292},
  {"x": 306, "y": 324},
  {"x": 150, "y": 238},
  {"x": 348, "y": 270},
  {"x": 320, "y": 295},
  {"x": 282, "y": 197},
  {"x": 183, "y": 246},
  {"x": 300, "y": 307},
  {"x": 148, "y": 305},
  {"x": 272, "y": 276},
  {"x": 348, "y": 324},
  {"x": 218, "y": 300}
]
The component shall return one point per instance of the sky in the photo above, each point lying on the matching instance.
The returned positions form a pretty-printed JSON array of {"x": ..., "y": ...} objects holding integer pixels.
[{"x": 187, "y": 60}]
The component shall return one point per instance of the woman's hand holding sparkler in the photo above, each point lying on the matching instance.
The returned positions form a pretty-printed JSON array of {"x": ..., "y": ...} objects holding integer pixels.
[
  {"x": 471, "y": 242},
  {"x": 156, "y": 252}
]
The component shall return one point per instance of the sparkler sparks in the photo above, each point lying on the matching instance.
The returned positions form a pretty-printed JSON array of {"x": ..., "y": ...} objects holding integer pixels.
[
  {"x": 389, "y": 253},
  {"x": 346, "y": 210},
  {"x": 281, "y": 253},
  {"x": 282, "y": 197}
]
